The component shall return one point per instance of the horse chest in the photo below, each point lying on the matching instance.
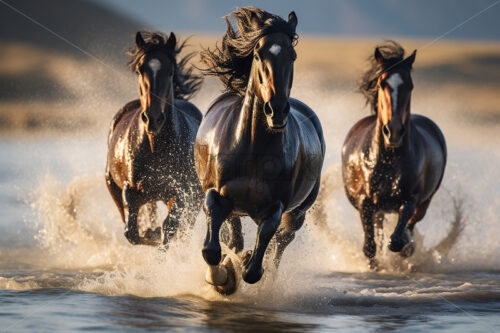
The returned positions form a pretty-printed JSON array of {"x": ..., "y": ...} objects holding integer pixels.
[
  {"x": 384, "y": 184},
  {"x": 255, "y": 182},
  {"x": 162, "y": 171}
]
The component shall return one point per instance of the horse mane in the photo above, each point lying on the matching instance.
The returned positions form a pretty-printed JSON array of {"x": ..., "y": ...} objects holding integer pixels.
[
  {"x": 393, "y": 54},
  {"x": 232, "y": 61},
  {"x": 186, "y": 83}
]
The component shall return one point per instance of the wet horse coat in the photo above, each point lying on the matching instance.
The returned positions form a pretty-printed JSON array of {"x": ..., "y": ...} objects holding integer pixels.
[
  {"x": 258, "y": 152},
  {"x": 150, "y": 145},
  {"x": 392, "y": 161}
]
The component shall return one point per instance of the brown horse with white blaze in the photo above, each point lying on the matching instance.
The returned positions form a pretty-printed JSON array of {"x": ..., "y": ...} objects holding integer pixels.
[
  {"x": 258, "y": 152},
  {"x": 392, "y": 161},
  {"x": 151, "y": 140}
]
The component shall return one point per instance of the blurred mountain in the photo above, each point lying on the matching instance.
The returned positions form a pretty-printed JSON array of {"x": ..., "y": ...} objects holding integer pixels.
[
  {"x": 381, "y": 18},
  {"x": 96, "y": 29}
]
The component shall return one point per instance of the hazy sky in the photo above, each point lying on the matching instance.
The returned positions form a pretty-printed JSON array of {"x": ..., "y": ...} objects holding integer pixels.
[{"x": 422, "y": 18}]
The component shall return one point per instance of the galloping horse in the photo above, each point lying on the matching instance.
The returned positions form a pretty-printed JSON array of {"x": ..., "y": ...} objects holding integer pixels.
[
  {"x": 258, "y": 152},
  {"x": 150, "y": 144},
  {"x": 392, "y": 161}
]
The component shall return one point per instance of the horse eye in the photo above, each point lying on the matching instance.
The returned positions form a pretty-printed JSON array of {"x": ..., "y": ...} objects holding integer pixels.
[
  {"x": 382, "y": 84},
  {"x": 256, "y": 56}
]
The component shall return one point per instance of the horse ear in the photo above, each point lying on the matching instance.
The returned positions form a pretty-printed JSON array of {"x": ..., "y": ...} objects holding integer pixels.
[
  {"x": 292, "y": 20},
  {"x": 171, "y": 41},
  {"x": 139, "y": 41},
  {"x": 378, "y": 56},
  {"x": 411, "y": 59}
]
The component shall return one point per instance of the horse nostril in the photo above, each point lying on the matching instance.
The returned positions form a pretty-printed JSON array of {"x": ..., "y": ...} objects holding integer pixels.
[
  {"x": 268, "y": 110},
  {"x": 386, "y": 131},
  {"x": 144, "y": 117}
]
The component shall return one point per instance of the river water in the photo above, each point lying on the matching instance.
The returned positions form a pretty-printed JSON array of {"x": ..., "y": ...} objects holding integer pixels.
[{"x": 65, "y": 264}]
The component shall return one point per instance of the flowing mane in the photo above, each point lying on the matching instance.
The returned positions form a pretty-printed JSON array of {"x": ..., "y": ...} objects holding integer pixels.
[
  {"x": 393, "y": 54},
  {"x": 186, "y": 83},
  {"x": 232, "y": 61}
]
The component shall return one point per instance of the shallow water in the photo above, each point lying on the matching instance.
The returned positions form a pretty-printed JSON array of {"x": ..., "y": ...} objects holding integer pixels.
[{"x": 65, "y": 265}]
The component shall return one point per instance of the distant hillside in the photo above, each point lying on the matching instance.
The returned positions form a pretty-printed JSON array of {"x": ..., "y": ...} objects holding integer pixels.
[{"x": 94, "y": 28}]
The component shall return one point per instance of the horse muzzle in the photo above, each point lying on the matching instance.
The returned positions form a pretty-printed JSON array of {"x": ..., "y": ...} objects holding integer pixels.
[
  {"x": 277, "y": 115},
  {"x": 153, "y": 126},
  {"x": 393, "y": 138}
]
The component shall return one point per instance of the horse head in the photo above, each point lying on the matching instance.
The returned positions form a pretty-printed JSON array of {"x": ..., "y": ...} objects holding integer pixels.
[
  {"x": 394, "y": 87},
  {"x": 272, "y": 70},
  {"x": 155, "y": 68}
]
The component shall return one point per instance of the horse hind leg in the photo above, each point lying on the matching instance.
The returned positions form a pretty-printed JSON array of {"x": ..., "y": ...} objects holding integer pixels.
[
  {"x": 116, "y": 194},
  {"x": 290, "y": 223},
  {"x": 235, "y": 241},
  {"x": 152, "y": 235}
]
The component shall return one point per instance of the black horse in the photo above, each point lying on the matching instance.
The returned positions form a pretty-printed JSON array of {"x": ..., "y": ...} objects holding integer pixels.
[
  {"x": 258, "y": 152},
  {"x": 150, "y": 144},
  {"x": 392, "y": 161}
]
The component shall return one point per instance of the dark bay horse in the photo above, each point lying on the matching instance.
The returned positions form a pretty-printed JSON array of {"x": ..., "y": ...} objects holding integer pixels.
[
  {"x": 258, "y": 152},
  {"x": 392, "y": 161},
  {"x": 150, "y": 144}
]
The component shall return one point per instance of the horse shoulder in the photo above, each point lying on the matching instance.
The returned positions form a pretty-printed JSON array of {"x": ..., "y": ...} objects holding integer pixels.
[
  {"x": 129, "y": 109},
  {"x": 189, "y": 109},
  {"x": 423, "y": 123},
  {"x": 360, "y": 129},
  {"x": 223, "y": 101},
  {"x": 306, "y": 111}
]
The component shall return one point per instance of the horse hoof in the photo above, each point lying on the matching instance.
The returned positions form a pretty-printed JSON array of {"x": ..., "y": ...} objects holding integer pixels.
[
  {"x": 397, "y": 244},
  {"x": 153, "y": 235},
  {"x": 132, "y": 236},
  {"x": 252, "y": 276},
  {"x": 370, "y": 249},
  {"x": 408, "y": 250},
  {"x": 212, "y": 254},
  {"x": 373, "y": 264},
  {"x": 229, "y": 286},
  {"x": 245, "y": 257}
]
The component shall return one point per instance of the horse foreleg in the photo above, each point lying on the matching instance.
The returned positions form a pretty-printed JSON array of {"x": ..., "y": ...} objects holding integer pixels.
[
  {"x": 217, "y": 209},
  {"x": 172, "y": 221},
  {"x": 235, "y": 235},
  {"x": 400, "y": 237},
  {"x": 179, "y": 212},
  {"x": 367, "y": 213},
  {"x": 290, "y": 223},
  {"x": 253, "y": 270},
  {"x": 131, "y": 205}
]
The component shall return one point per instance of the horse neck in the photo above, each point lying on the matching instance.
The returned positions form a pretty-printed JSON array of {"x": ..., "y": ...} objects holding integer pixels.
[
  {"x": 251, "y": 128},
  {"x": 377, "y": 148},
  {"x": 171, "y": 117}
]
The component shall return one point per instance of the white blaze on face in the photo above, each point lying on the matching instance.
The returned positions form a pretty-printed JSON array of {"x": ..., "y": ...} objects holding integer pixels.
[
  {"x": 394, "y": 81},
  {"x": 155, "y": 66},
  {"x": 275, "y": 49}
]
